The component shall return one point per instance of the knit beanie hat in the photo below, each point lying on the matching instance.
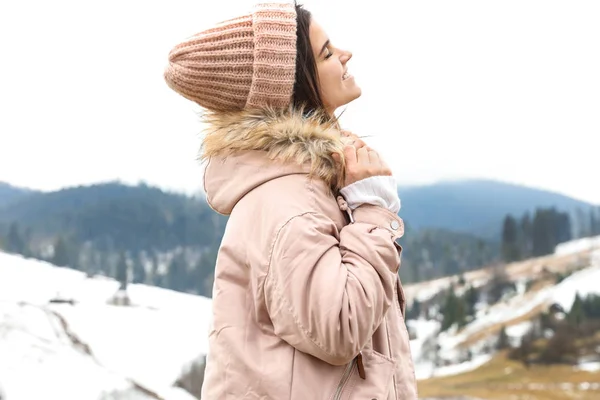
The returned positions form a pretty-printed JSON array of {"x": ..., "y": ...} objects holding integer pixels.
[{"x": 245, "y": 62}]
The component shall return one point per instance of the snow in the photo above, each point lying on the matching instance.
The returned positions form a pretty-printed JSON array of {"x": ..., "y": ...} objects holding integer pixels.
[
  {"x": 518, "y": 330},
  {"x": 583, "y": 282},
  {"x": 36, "y": 363},
  {"x": 466, "y": 366},
  {"x": 152, "y": 341},
  {"x": 577, "y": 246},
  {"x": 426, "y": 330},
  {"x": 148, "y": 343},
  {"x": 424, "y": 291},
  {"x": 430, "y": 344},
  {"x": 589, "y": 367}
]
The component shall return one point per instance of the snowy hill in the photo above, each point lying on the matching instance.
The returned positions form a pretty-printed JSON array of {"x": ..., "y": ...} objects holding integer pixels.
[
  {"x": 112, "y": 352},
  {"x": 58, "y": 326},
  {"x": 438, "y": 353}
]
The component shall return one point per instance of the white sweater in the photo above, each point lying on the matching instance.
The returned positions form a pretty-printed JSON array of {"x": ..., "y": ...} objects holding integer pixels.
[{"x": 376, "y": 190}]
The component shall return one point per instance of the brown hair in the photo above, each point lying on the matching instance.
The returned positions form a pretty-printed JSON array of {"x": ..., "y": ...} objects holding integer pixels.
[{"x": 306, "y": 88}]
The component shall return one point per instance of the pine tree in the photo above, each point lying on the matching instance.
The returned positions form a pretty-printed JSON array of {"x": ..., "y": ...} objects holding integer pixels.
[
  {"x": 14, "y": 240},
  {"x": 454, "y": 311},
  {"x": 480, "y": 252},
  {"x": 576, "y": 315},
  {"x": 122, "y": 271},
  {"x": 503, "y": 342},
  {"x": 61, "y": 253},
  {"x": 510, "y": 247},
  {"x": 526, "y": 236},
  {"x": 139, "y": 272},
  {"x": 563, "y": 228},
  {"x": 541, "y": 232},
  {"x": 594, "y": 223},
  {"x": 471, "y": 298},
  {"x": 591, "y": 306},
  {"x": 549, "y": 229},
  {"x": 154, "y": 268},
  {"x": 177, "y": 275},
  {"x": 204, "y": 272},
  {"x": 583, "y": 228}
]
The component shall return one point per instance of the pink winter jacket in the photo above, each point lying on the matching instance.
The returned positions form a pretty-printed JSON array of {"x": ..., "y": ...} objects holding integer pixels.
[{"x": 307, "y": 304}]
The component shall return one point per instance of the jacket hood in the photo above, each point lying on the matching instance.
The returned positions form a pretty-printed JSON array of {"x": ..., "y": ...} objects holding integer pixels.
[{"x": 248, "y": 148}]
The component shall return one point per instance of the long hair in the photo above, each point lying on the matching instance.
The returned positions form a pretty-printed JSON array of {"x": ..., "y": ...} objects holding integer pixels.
[{"x": 306, "y": 88}]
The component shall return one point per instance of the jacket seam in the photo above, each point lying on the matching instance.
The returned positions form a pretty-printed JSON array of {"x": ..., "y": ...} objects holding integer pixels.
[{"x": 278, "y": 289}]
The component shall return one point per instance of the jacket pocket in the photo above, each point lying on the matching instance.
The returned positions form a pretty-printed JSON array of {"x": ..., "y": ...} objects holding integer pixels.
[{"x": 378, "y": 381}]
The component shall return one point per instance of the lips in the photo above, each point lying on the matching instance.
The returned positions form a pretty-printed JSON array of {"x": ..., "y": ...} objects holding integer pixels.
[{"x": 346, "y": 76}]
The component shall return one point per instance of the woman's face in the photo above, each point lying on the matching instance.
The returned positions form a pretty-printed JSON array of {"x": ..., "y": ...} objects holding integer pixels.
[{"x": 336, "y": 85}]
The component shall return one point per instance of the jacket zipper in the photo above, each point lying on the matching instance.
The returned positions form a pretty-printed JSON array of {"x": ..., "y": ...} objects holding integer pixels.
[{"x": 344, "y": 380}]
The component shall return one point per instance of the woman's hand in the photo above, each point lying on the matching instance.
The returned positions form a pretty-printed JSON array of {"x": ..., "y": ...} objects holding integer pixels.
[{"x": 362, "y": 163}]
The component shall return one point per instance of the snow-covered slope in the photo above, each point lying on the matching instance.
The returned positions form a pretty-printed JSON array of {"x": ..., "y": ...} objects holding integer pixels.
[
  {"x": 137, "y": 351},
  {"x": 450, "y": 347},
  {"x": 90, "y": 349}
]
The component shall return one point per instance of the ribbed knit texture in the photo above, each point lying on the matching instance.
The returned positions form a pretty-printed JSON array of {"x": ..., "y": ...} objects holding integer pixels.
[{"x": 245, "y": 62}]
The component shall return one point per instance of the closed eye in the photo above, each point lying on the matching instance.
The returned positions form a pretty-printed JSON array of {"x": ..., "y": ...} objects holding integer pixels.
[{"x": 326, "y": 48}]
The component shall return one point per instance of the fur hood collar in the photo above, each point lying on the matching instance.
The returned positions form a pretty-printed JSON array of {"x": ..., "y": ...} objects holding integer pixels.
[{"x": 247, "y": 148}]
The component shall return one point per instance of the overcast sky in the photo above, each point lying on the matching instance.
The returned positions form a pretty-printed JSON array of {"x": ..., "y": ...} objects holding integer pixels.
[{"x": 508, "y": 90}]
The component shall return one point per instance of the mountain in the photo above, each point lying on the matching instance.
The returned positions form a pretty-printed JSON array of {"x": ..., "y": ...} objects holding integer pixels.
[
  {"x": 129, "y": 217},
  {"x": 171, "y": 240},
  {"x": 9, "y": 193},
  {"x": 476, "y": 206},
  {"x": 137, "y": 234}
]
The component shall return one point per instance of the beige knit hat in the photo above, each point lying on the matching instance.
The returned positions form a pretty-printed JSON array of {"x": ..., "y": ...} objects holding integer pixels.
[{"x": 246, "y": 62}]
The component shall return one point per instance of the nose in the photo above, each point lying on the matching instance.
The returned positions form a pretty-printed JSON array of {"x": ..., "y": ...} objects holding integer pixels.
[{"x": 345, "y": 56}]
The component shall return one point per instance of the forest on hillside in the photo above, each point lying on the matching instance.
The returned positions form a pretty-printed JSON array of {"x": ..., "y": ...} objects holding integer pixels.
[{"x": 142, "y": 234}]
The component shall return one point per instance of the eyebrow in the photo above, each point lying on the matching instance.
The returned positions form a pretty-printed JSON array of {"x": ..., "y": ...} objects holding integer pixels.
[{"x": 324, "y": 47}]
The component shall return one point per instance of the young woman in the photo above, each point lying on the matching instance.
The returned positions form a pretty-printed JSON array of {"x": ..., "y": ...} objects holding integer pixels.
[{"x": 307, "y": 303}]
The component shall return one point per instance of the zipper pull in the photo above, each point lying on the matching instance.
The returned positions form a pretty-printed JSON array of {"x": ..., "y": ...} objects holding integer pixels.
[{"x": 361, "y": 366}]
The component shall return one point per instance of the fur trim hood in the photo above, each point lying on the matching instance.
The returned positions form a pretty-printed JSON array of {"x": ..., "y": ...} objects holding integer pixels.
[{"x": 247, "y": 148}]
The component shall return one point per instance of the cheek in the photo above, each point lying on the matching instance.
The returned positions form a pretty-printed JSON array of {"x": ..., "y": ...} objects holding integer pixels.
[
  {"x": 329, "y": 79},
  {"x": 332, "y": 75}
]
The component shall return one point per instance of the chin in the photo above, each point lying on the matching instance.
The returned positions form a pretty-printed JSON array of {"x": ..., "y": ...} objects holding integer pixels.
[{"x": 353, "y": 95}]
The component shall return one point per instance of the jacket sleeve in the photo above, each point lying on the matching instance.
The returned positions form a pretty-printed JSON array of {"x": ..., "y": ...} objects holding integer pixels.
[{"x": 326, "y": 297}]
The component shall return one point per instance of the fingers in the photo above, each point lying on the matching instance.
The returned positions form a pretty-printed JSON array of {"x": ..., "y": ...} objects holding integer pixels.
[
  {"x": 359, "y": 144},
  {"x": 350, "y": 156},
  {"x": 374, "y": 158},
  {"x": 363, "y": 156},
  {"x": 385, "y": 168},
  {"x": 362, "y": 162},
  {"x": 355, "y": 140}
]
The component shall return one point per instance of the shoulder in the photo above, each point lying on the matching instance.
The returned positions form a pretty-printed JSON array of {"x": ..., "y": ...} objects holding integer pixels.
[
  {"x": 280, "y": 200},
  {"x": 299, "y": 194}
]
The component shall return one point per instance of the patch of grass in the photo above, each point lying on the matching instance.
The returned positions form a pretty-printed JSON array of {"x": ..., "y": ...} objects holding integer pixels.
[{"x": 503, "y": 379}]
